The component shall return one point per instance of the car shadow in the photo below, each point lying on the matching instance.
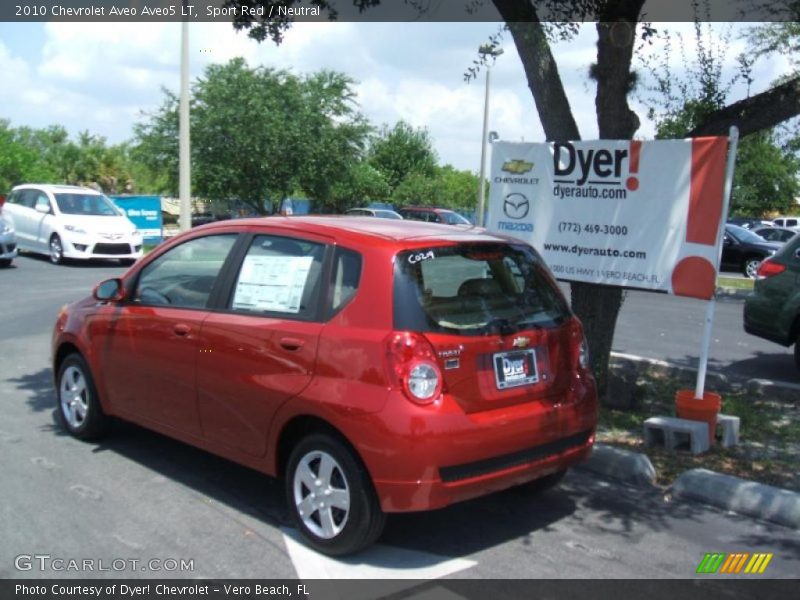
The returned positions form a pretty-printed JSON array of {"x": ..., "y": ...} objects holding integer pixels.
[{"x": 91, "y": 263}]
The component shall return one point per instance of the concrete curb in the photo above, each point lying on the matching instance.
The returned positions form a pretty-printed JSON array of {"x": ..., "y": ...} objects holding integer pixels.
[
  {"x": 630, "y": 467},
  {"x": 740, "y": 496},
  {"x": 666, "y": 368},
  {"x": 733, "y": 292}
]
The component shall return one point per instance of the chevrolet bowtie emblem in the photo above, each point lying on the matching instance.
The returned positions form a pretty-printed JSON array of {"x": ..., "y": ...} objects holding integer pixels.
[{"x": 520, "y": 342}]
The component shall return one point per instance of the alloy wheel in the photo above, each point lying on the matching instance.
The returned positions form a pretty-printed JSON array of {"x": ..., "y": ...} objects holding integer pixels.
[
  {"x": 321, "y": 494},
  {"x": 74, "y": 396}
]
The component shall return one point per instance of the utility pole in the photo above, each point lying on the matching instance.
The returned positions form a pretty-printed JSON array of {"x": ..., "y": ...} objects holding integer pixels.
[
  {"x": 184, "y": 145},
  {"x": 487, "y": 50}
]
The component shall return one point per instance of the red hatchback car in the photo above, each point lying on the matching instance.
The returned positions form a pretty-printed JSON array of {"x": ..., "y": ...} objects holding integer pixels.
[{"x": 376, "y": 366}]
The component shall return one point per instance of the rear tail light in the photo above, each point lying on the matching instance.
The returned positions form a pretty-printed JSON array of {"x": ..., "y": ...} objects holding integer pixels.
[
  {"x": 412, "y": 366},
  {"x": 768, "y": 268}
]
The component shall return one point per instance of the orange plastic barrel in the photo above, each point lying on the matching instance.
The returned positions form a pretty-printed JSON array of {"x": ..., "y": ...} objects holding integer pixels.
[{"x": 703, "y": 409}]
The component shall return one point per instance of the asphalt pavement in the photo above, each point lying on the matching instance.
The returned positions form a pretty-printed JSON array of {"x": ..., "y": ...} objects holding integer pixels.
[{"x": 140, "y": 496}]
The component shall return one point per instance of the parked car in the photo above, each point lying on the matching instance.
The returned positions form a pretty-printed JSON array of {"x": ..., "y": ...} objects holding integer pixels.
[
  {"x": 433, "y": 215},
  {"x": 8, "y": 243},
  {"x": 748, "y": 222},
  {"x": 65, "y": 221},
  {"x": 382, "y": 213},
  {"x": 743, "y": 250},
  {"x": 775, "y": 234},
  {"x": 772, "y": 311},
  {"x": 792, "y": 222},
  {"x": 375, "y": 366}
]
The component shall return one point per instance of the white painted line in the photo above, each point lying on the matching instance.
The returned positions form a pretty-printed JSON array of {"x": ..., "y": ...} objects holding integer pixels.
[{"x": 376, "y": 562}]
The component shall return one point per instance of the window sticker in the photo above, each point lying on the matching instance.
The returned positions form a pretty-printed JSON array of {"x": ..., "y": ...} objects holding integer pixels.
[{"x": 272, "y": 283}]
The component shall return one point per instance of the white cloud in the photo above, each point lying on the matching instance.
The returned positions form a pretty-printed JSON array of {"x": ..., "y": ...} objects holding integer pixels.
[{"x": 99, "y": 77}]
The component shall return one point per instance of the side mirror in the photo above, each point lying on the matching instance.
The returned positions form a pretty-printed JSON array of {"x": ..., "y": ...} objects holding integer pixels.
[
  {"x": 42, "y": 208},
  {"x": 109, "y": 290}
]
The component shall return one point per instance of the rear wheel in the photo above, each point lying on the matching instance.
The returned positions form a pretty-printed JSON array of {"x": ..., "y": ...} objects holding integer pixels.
[
  {"x": 330, "y": 496},
  {"x": 78, "y": 405},
  {"x": 56, "y": 250},
  {"x": 5, "y": 262},
  {"x": 750, "y": 267}
]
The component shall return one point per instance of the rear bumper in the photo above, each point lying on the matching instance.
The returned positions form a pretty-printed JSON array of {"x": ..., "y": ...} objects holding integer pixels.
[{"x": 424, "y": 458}]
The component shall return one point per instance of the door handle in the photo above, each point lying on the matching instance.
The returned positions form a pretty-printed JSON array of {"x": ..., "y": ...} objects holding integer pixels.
[
  {"x": 290, "y": 343},
  {"x": 182, "y": 329}
]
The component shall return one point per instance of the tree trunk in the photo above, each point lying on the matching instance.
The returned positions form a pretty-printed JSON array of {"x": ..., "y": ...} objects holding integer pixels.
[
  {"x": 596, "y": 306},
  {"x": 756, "y": 113}
]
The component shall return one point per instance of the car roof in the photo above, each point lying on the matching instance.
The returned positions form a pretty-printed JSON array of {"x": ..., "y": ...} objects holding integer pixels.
[
  {"x": 57, "y": 188},
  {"x": 427, "y": 209},
  {"x": 355, "y": 229}
]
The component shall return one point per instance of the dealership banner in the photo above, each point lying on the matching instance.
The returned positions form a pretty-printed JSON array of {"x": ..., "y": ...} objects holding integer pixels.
[
  {"x": 145, "y": 213},
  {"x": 628, "y": 213}
]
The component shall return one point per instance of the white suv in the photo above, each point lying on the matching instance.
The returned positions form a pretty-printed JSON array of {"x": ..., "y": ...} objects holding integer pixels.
[{"x": 66, "y": 221}]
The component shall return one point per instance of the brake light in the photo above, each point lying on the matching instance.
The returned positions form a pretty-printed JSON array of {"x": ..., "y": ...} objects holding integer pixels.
[
  {"x": 411, "y": 363},
  {"x": 768, "y": 268}
]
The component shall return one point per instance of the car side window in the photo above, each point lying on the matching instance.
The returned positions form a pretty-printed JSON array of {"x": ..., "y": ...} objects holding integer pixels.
[
  {"x": 27, "y": 198},
  {"x": 345, "y": 277},
  {"x": 184, "y": 276},
  {"x": 42, "y": 200},
  {"x": 279, "y": 275}
]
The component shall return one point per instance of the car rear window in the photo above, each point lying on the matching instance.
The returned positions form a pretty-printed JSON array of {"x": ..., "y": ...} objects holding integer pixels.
[{"x": 475, "y": 289}]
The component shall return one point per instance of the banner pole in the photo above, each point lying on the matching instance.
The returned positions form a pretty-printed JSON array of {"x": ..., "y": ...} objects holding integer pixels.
[{"x": 733, "y": 144}]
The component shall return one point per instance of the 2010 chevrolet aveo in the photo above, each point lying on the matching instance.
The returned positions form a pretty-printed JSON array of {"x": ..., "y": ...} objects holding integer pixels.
[{"x": 377, "y": 366}]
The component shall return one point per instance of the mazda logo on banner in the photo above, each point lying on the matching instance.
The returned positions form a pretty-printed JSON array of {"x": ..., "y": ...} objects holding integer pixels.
[{"x": 516, "y": 206}]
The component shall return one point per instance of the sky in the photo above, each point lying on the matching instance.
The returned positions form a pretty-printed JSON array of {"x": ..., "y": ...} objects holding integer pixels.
[{"x": 102, "y": 77}]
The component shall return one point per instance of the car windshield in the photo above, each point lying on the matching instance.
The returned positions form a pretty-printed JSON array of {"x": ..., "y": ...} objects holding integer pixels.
[
  {"x": 387, "y": 214},
  {"x": 475, "y": 289},
  {"x": 86, "y": 204},
  {"x": 743, "y": 235},
  {"x": 452, "y": 218}
]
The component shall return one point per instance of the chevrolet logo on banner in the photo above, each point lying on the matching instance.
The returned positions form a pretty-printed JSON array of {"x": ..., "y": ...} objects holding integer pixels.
[
  {"x": 517, "y": 166},
  {"x": 734, "y": 563}
]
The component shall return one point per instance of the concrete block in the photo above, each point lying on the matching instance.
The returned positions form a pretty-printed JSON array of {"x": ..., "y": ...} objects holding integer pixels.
[
  {"x": 631, "y": 467},
  {"x": 730, "y": 429},
  {"x": 740, "y": 496},
  {"x": 672, "y": 432}
]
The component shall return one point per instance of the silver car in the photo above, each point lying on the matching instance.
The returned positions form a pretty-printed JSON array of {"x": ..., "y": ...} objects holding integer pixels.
[{"x": 8, "y": 243}]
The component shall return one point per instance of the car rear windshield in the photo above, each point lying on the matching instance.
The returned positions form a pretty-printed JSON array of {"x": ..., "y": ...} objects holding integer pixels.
[{"x": 475, "y": 289}]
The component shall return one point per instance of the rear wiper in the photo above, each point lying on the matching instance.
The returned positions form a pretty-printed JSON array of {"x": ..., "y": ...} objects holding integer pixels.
[{"x": 500, "y": 326}]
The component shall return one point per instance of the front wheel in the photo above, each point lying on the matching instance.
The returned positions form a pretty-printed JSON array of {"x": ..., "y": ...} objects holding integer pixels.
[
  {"x": 750, "y": 267},
  {"x": 78, "y": 405},
  {"x": 56, "y": 250},
  {"x": 5, "y": 262},
  {"x": 330, "y": 496}
]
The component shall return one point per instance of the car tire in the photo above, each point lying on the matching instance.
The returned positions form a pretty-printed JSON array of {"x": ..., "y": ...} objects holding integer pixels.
[
  {"x": 750, "y": 266},
  {"x": 56, "y": 250},
  {"x": 79, "y": 409},
  {"x": 127, "y": 262},
  {"x": 324, "y": 470},
  {"x": 5, "y": 262}
]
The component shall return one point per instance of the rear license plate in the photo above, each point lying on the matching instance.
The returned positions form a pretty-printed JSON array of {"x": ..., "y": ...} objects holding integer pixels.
[{"x": 512, "y": 369}]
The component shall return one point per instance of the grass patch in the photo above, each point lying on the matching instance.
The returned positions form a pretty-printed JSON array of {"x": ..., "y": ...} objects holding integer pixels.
[
  {"x": 735, "y": 283},
  {"x": 769, "y": 449}
]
